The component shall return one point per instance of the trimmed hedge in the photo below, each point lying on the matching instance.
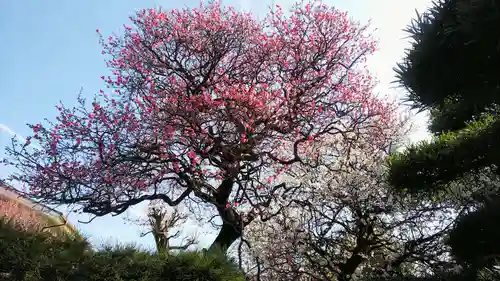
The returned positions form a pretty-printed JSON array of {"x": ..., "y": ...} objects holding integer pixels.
[
  {"x": 28, "y": 256},
  {"x": 429, "y": 166}
]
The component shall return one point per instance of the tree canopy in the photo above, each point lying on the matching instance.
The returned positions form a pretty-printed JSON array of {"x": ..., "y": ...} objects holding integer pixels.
[{"x": 206, "y": 105}]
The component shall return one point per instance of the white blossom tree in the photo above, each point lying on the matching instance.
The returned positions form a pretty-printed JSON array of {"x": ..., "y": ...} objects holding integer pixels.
[{"x": 344, "y": 223}]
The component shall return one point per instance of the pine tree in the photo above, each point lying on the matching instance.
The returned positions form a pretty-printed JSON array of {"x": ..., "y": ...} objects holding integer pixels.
[{"x": 452, "y": 70}]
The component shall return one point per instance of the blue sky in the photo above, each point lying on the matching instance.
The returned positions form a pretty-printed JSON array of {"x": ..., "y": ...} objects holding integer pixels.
[{"x": 50, "y": 50}]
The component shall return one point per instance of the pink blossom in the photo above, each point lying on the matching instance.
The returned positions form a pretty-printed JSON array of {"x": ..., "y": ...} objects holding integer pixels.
[
  {"x": 36, "y": 128},
  {"x": 186, "y": 97}
]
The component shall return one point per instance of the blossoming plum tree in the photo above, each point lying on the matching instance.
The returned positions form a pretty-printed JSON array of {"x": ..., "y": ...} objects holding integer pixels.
[
  {"x": 345, "y": 222},
  {"x": 205, "y": 103}
]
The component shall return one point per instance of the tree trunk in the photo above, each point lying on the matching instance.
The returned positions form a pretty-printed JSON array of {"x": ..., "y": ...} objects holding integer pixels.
[
  {"x": 229, "y": 233},
  {"x": 363, "y": 244},
  {"x": 162, "y": 245},
  {"x": 349, "y": 267},
  {"x": 231, "y": 220}
]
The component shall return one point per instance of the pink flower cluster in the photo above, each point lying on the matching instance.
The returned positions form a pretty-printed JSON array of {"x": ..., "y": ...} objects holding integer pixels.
[{"x": 197, "y": 94}]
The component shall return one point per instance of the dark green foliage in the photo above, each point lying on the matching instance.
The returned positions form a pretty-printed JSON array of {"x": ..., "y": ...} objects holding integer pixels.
[
  {"x": 452, "y": 69},
  {"x": 28, "y": 256},
  {"x": 429, "y": 166},
  {"x": 454, "y": 59},
  {"x": 451, "y": 116},
  {"x": 24, "y": 254},
  {"x": 129, "y": 264},
  {"x": 475, "y": 239}
]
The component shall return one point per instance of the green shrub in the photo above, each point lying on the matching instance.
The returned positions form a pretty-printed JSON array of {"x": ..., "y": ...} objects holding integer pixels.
[
  {"x": 430, "y": 166},
  {"x": 26, "y": 255},
  {"x": 38, "y": 256}
]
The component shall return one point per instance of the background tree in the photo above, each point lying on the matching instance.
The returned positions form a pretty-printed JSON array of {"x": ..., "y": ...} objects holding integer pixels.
[
  {"x": 345, "y": 223},
  {"x": 208, "y": 105},
  {"x": 164, "y": 226},
  {"x": 452, "y": 70}
]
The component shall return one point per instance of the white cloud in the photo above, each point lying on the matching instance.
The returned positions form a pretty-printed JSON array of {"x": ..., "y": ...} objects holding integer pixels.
[{"x": 5, "y": 129}]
